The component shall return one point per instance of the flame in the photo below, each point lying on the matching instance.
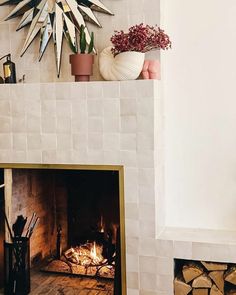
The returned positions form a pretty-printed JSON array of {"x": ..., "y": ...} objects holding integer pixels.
[
  {"x": 87, "y": 254},
  {"x": 102, "y": 225},
  {"x": 93, "y": 253}
]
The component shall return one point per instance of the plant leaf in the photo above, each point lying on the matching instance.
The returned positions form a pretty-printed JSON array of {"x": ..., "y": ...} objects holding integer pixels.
[
  {"x": 82, "y": 40},
  {"x": 91, "y": 44},
  {"x": 70, "y": 43}
]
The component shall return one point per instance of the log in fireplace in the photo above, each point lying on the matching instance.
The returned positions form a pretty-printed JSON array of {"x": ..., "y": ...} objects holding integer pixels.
[{"x": 81, "y": 228}]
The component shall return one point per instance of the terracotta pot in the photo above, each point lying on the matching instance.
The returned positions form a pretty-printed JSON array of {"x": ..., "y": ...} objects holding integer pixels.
[{"x": 81, "y": 66}]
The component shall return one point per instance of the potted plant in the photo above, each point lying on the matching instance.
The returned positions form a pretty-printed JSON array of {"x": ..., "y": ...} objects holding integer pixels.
[
  {"x": 82, "y": 60},
  {"x": 125, "y": 59}
]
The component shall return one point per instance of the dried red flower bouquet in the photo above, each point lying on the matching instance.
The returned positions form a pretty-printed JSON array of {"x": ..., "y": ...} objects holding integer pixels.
[{"x": 141, "y": 38}]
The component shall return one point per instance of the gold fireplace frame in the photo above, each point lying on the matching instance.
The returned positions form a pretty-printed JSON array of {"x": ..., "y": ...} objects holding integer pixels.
[{"x": 118, "y": 168}]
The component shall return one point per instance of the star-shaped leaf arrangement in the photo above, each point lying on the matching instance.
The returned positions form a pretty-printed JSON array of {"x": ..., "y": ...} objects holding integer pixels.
[{"x": 53, "y": 19}]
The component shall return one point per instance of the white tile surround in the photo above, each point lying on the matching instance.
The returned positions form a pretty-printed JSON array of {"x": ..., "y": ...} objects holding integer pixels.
[{"x": 110, "y": 123}]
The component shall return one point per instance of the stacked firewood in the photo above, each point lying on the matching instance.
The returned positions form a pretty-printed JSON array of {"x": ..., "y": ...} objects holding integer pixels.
[{"x": 205, "y": 278}]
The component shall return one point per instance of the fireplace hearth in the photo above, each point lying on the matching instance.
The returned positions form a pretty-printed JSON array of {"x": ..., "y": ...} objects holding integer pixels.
[{"x": 80, "y": 232}]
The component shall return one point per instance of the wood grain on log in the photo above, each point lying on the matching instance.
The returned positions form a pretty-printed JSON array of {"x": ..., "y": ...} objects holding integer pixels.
[
  {"x": 211, "y": 266},
  {"x": 203, "y": 281},
  {"x": 215, "y": 291},
  {"x": 218, "y": 278},
  {"x": 230, "y": 275},
  {"x": 180, "y": 287},
  {"x": 191, "y": 272},
  {"x": 200, "y": 291}
]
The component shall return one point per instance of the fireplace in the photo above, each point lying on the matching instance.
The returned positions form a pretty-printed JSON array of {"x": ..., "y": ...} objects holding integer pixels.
[
  {"x": 96, "y": 123},
  {"x": 81, "y": 227}
]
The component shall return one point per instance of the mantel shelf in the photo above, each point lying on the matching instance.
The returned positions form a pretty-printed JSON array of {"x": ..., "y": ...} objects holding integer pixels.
[
  {"x": 223, "y": 237},
  {"x": 68, "y": 90}
]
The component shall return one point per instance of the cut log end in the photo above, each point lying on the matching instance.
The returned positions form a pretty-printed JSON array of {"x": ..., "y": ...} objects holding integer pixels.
[
  {"x": 218, "y": 278},
  {"x": 181, "y": 288},
  {"x": 191, "y": 271},
  {"x": 230, "y": 275},
  {"x": 215, "y": 291},
  {"x": 211, "y": 266},
  {"x": 202, "y": 281},
  {"x": 200, "y": 292}
]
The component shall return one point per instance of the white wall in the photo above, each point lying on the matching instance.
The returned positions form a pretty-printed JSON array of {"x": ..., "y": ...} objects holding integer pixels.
[{"x": 199, "y": 84}]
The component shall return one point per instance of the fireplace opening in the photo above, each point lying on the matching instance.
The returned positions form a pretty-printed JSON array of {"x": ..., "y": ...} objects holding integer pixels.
[
  {"x": 81, "y": 229},
  {"x": 92, "y": 223}
]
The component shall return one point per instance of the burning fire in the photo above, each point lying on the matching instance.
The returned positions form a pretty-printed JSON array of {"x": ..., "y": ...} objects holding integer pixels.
[
  {"x": 93, "y": 254},
  {"x": 87, "y": 259},
  {"x": 86, "y": 255}
]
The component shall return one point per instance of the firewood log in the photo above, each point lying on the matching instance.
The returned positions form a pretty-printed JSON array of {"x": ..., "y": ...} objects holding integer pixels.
[
  {"x": 203, "y": 281},
  {"x": 200, "y": 291},
  {"x": 191, "y": 271},
  {"x": 230, "y": 275},
  {"x": 211, "y": 266},
  {"x": 218, "y": 278},
  {"x": 215, "y": 291},
  {"x": 180, "y": 287}
]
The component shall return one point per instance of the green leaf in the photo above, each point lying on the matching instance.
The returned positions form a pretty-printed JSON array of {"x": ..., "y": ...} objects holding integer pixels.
[
  {"x": 82, "y": 39},
  {"x": 91, "y": 44},
  {"x": 70, "y": 43}
]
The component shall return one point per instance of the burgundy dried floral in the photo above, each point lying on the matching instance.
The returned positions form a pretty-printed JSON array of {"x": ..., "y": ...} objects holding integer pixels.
[{"x": 141, "y": 38}]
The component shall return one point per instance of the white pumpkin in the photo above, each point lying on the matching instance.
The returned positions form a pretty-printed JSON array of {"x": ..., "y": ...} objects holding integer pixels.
[{"x": 124, "y": 66}]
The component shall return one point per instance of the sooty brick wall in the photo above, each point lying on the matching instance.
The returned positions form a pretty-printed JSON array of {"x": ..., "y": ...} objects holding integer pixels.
[{"x": 42, "y": 192}]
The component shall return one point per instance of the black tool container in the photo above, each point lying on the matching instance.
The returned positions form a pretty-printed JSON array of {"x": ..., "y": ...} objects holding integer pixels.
[{"x": 17, "y": 267}]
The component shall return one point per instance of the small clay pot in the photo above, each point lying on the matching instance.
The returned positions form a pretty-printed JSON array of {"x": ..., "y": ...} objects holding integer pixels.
[
  {"x": 81, "y": 66},
  {"x": 151, "y": 69}
]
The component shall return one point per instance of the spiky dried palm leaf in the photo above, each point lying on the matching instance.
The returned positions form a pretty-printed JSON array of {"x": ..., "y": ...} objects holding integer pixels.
[{"x": 53, "y": 19}]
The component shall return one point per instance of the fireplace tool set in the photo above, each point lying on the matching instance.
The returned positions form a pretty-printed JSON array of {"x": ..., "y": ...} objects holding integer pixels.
[{"x": 17, "y": 255}]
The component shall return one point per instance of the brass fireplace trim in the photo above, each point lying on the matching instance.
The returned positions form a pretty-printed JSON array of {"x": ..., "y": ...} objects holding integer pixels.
[{"x": 119, "y": 169}]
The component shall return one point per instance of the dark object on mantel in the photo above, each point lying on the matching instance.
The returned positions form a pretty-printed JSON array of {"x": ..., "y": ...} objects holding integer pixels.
[
  {"x": 1, "y": 80},
  {"x": 17, "y": 267},
  {"x": 9, "y": 70}
]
